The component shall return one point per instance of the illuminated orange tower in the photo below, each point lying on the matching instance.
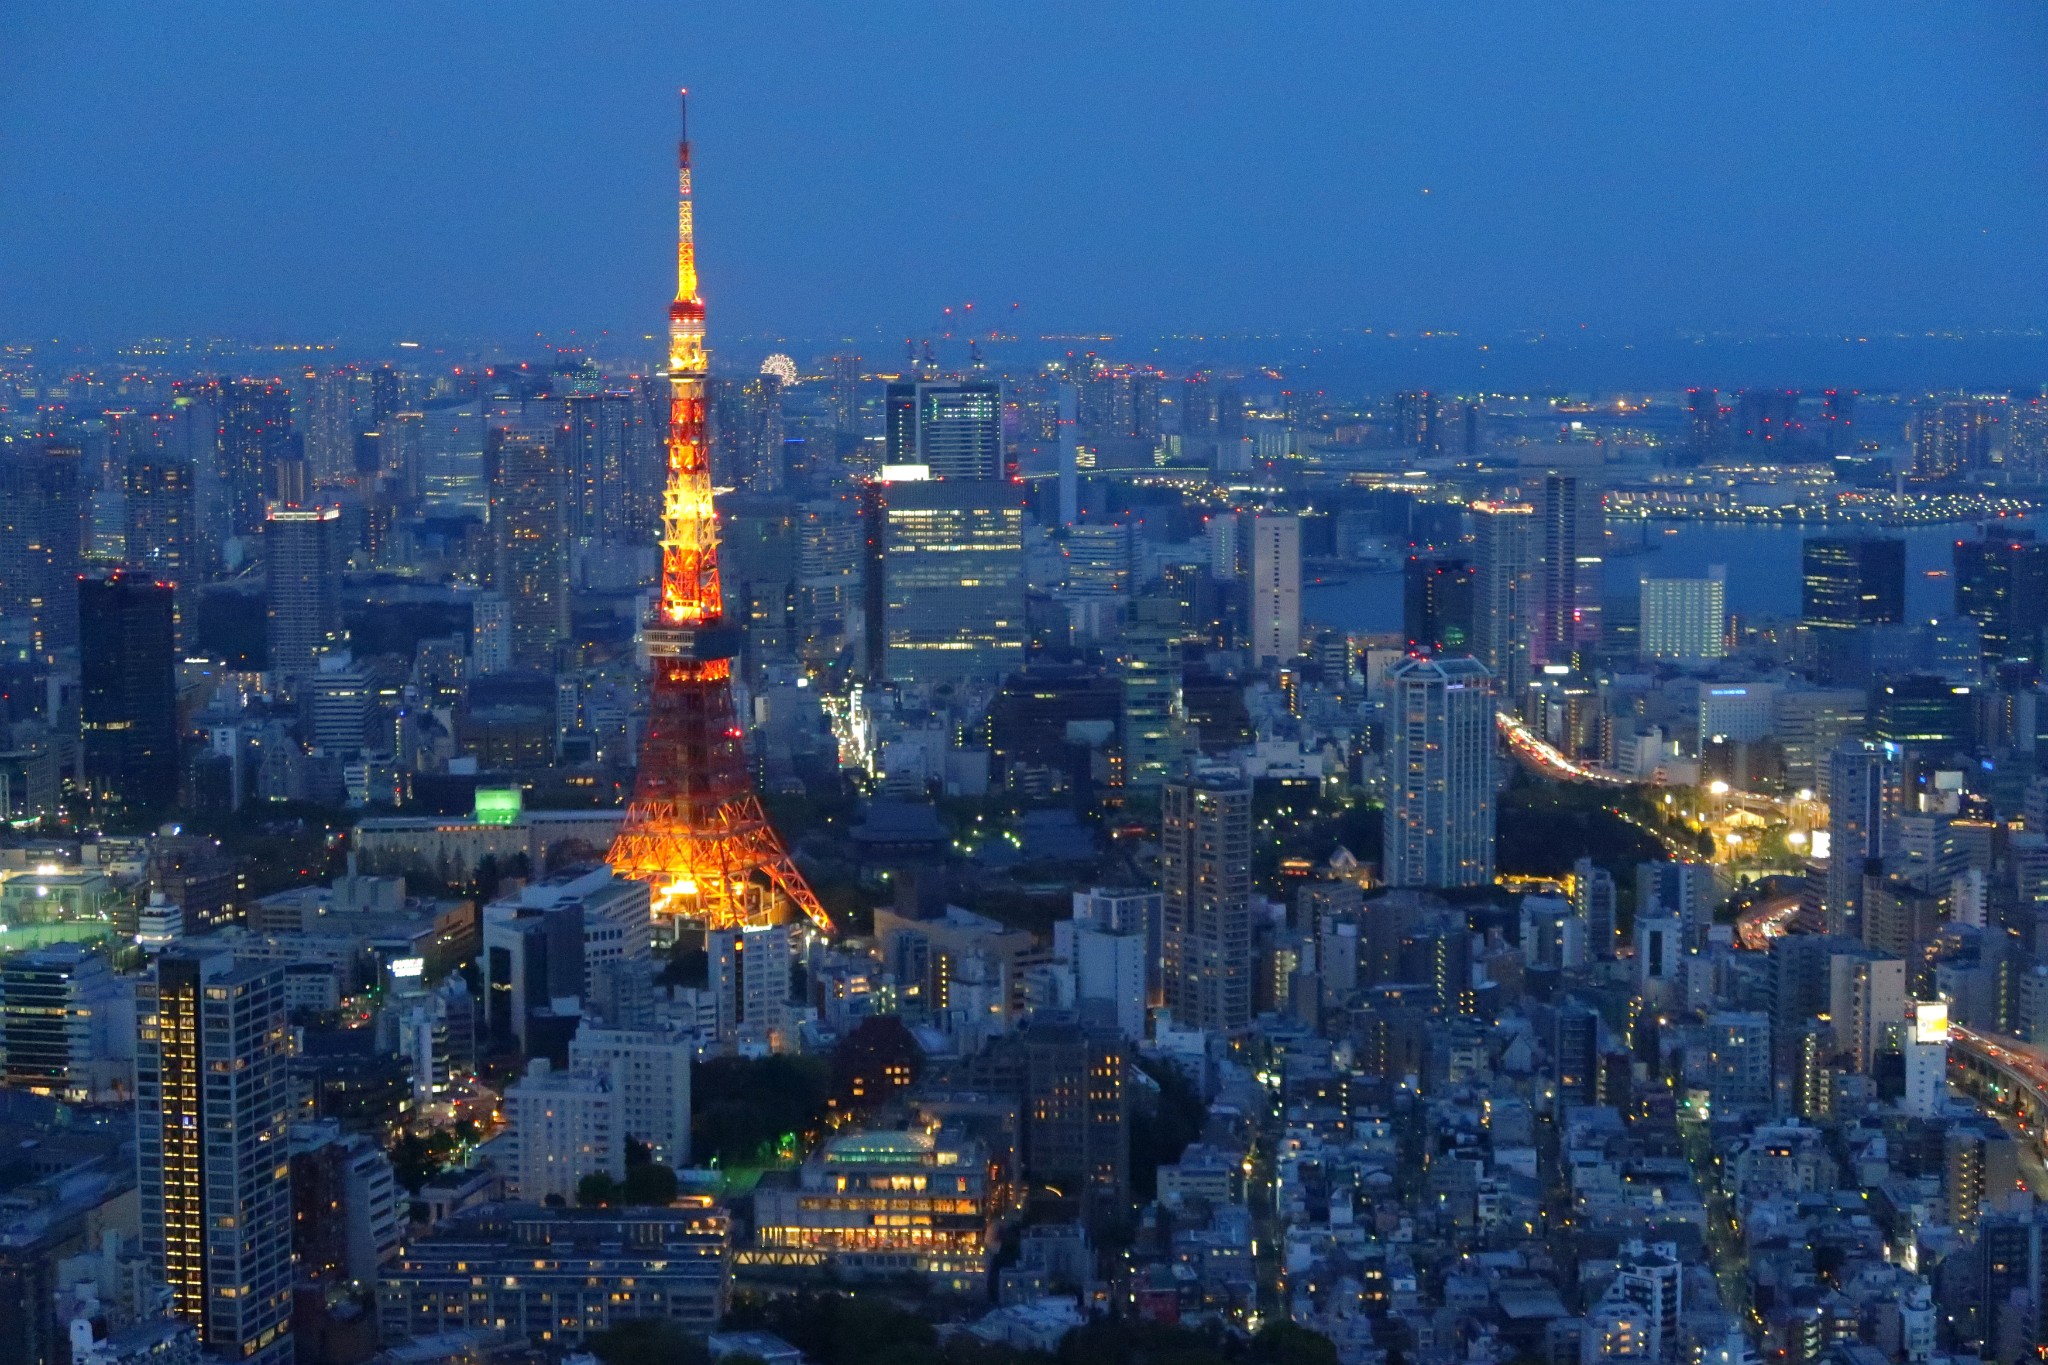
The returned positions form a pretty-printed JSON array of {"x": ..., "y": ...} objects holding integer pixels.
[{"x": 696, "y": 832}]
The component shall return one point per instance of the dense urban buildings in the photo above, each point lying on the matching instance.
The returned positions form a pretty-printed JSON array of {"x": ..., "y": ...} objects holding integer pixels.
[{"x": 1064, "y": 841}]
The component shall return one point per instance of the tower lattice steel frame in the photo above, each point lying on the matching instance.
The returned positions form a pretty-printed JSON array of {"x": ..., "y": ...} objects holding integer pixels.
[{"x": 696, "y": 832}]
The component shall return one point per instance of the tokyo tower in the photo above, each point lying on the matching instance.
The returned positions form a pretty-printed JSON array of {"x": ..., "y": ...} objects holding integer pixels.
[{"x": 695, "y": 831}]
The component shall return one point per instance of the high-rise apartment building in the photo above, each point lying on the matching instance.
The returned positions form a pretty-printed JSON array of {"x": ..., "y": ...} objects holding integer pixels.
[
  {"x": 748, "y": 433},
  {"x": 42, "y": 534},
  {"x": 750, "y": 982},
  {"x": 1950, "y": 439},
  {"x": 529, "y": 542},
  {"x": 564, "y": 1125},
  {"x": 302, "y": 559},
  {"x": 1417, "y": 421},
  {"x": 1594, "y": 901},
  {"x": 944, "y": 579},
  {"x": 1860, "y": 777},
  {"x": 1275, "y": 575},
  {"x": 211, "y": 1106},
  {"x": 1684, "y": 620},
  {"x": 1205, "y": 877},
  {"x": 128, "y": 703},
  {"x": 1439, "y": 810},
  {"x": 1506, "y": 556},
  {"x": 650, "y": 1073},
  {"x": 1572, "y": 567},
  {"x": 163, "y": 528},
  {"x": 255, "y": 434},
  {"x": 955, "y": 431},
  {"x": 610, "y": 459},
  {"x": 844, "y": 397}
]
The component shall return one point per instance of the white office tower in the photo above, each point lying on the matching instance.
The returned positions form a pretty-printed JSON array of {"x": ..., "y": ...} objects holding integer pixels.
[
  {"x": 650, "y": 1073},
  {"x": 750, "y": 978},
  {"x": 1927, "y": 1060},
  {"x": 1108, "y": 967},
  {"x": 1276, "y": 590},
  {"x": 562, "y": 1126},
  {"x": 1684, "y": 620},
  {"x": 1867, "y": 1004},
  {"x": 1440, "y": 775},
  {"x": 1127, "y": 910}
]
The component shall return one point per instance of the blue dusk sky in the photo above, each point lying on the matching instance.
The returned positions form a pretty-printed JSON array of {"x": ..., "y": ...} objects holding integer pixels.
[{"x": 491, "y": 170}]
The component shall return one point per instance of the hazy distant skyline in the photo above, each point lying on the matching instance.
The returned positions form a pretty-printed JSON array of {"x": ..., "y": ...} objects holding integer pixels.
[{"x": 370, "y": 170}]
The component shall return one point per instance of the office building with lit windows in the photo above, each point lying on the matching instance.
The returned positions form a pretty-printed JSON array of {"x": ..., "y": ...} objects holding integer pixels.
[
  {"x": 302, "y": 559},
  {"x": 213, "y": 1162},
  {"x": 881, "y": 1205},
  {"x": 1684, "y": 620},
  {"x": 555, "y": 1277},
  {"x": 955, "y": 431},
  {"x": 945, "y": 580},
  {"x": 128, "y": 710}
]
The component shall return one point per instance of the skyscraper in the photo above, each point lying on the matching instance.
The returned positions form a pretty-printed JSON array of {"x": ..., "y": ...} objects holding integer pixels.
[
  {"x": 2002, "y": 584},
  {"x": 1859, "y": 777},
  {"x": 255, "y": 433},
  {"x": 1949, "y": 439},
  {"x": 604, "y": 445},
  {"x": 845, "y": 395},
  {"x": 529, "y": 541},
  {"x": 944, "y": 579},
  {"x": 163, "y": 520},
  {"x": 302, "y": 560},
  {"x": 1276, "y": 589},
  {"x": 1684, "y": 620},
  {"x": 954, "y": 430},
  {"x": 1706, "y": 424},
  {"x": 1439, "y": 811},
  {"x": 211, "y": 1109},
  {"x": 128, "y": 708},
  {"x": 749, "y": 433},
  {"x": 1418, "y": 421},
  {"x": 1505, "y": 560},
  {"x": 41, "y": 537},
  {"x": 1205, "y": 878},
  {"x": 1849, "y": 583},
  {"x": 1437, "y": 607},
  {"x": 1573, "y": 541}
]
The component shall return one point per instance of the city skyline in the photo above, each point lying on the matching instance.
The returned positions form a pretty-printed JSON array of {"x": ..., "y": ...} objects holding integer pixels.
[{"x": 1324, "y": 170}]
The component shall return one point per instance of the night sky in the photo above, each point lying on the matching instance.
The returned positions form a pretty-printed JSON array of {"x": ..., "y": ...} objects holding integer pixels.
[{"x": 377, "y": 171}]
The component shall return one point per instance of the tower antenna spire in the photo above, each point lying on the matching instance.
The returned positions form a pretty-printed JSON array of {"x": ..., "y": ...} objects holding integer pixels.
[{"x": 686, "y": 216}]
